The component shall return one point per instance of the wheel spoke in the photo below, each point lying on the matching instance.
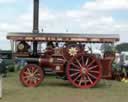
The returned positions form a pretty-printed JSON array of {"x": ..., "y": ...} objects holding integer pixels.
[
  {"x": 32, "y": 69},
  {"x": 26, "y": 76},
  {"x": 27, "y": 80},
  {"x": 74, "y": 70},
  {"x": 87, "y": 60},
  {"x": 85, "y": 79},
  {"x": 89, "y": 79},
  {"x": 26, "y": 73},
  {"x": 78, "y": 62},
  {"x": 91, "y": 62},
  {"x": 92, "y": 75},
  {"x": 74, "y": 74},
  {"x": 94, "y": 71},
  {"x": 35, "y": 71},
  {"x": 75, "y": 65},
  {"x": 82, "y": 58},
  {"x": 28, "y": 70},
  {"x": 93, "y": 67},
  {"x": 38, "y": 79},
  {"x": 80, "y": 81},
  {"x": 77, "y": 77},
  {"x": 35, "y": 80},
  {"x": 37, "y": 74}
]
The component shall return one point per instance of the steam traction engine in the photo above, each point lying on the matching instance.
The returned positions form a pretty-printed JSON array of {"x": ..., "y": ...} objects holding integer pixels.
[{"x": 64, "y": 53}]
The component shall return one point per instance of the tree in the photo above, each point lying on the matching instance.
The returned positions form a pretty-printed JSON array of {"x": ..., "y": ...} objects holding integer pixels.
[
  {"x": 107, "y": 47},
  {"x": 122, "y": 47}
]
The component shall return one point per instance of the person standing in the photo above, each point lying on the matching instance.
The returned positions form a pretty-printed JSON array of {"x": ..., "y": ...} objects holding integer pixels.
[{"x": 3, "y": 69}]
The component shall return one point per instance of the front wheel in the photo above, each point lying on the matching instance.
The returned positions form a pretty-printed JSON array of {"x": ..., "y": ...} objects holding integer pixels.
[
  {"x": 83, "y": 71},
  {"x": 31, "y": 75}
]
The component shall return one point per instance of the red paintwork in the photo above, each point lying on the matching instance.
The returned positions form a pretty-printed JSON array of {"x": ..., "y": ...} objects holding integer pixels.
[
  {"x": 106, "y": 68},
  {"x": 106, "y": 63}
]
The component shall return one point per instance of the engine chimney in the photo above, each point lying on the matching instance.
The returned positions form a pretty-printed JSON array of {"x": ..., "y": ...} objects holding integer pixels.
[
  {"x": 36, "y": 16},
  {"x": 35, "y": 24}
]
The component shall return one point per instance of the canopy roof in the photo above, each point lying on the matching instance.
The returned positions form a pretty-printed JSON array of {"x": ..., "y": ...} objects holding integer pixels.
[{"x": 66, "y": 37}]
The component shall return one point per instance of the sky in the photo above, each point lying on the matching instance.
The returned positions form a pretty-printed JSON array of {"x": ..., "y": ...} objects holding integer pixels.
[{"x": 76, "y": 16}]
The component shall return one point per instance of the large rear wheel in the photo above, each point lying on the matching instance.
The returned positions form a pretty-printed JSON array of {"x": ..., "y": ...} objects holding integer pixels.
[
  {"x": 83, "y": 71},
  {"x": 31, "y": 75}
]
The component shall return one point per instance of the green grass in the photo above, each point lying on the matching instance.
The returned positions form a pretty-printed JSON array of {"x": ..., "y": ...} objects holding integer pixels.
[{"x": 57, "y": 90}]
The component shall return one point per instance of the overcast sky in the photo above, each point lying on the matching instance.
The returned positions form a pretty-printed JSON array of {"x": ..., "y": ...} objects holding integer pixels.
[{"x": 76, "y": 16}]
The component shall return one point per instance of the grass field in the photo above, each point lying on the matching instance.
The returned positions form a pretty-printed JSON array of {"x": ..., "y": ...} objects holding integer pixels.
[{"x": 57, "y": 90}]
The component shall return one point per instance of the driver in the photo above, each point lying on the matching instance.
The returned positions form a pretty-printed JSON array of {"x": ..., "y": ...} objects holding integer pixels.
[{"x": 50, "y": 48}]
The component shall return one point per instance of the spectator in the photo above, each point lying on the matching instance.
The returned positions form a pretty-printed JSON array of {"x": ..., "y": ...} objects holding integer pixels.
[
  {"x": 3, "y": 69},
  {"x": 20, "y": 64}
]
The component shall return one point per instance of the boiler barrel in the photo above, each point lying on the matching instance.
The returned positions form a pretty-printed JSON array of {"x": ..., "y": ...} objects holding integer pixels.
[
  {"x": 29, "y": 60},
  {"x": 40, "y": 61}
]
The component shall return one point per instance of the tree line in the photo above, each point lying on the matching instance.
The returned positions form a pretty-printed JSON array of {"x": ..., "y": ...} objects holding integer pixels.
[{"x": 118, "y": 48}]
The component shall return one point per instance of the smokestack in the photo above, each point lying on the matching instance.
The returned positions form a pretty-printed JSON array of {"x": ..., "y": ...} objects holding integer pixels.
[
  {"x": 36, "y": 16},
  {"x": 35, "y": 24}
]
